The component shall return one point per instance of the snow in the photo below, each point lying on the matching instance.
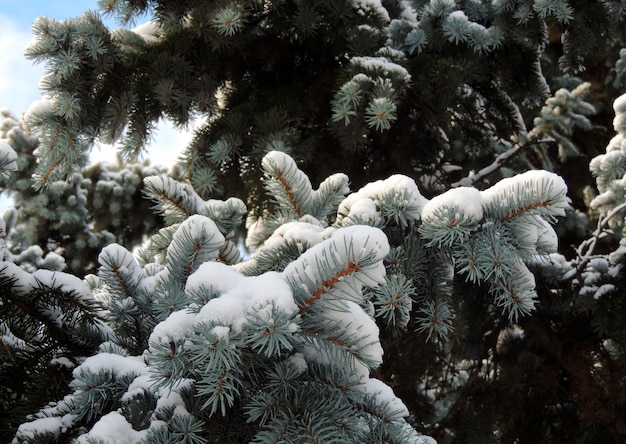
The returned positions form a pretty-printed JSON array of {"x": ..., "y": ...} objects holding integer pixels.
[
  {"x": 173, "y": 328},
  {"x": 528, "y": 233},
  {"x": 458, "y": 15},
  {"x": 607, "y": 198},
  {"x": 523, "y": 274},
  {"x": 544, "y": 187},
  {"x": 618, "y": 142},
  {"x": 204, "y": 236},
  {"x": 53, "y": 426},
  {"x": 466, "y": 200},
  {"x": 11, "y": 340},
  {"x": 221, "y": 332},
  {"x": 619, "y": 105},
  {"x": 216, "y": 276},
  {"x": 364, "y": 211},
  {"x": 262, "y": 295},
  {"x": 547, "y": 238},
  {"x": 378, "y": 190},
  {"x": 407, "y": 12},
  {"x": 278, "y": 164},
  {"x": 384, "y": 394},
  {"x": 298, "y": 361},
  {"x": 615, "y": 144},
  {"x": 382, "y": 64},
  {"x": 616, "y": 257},
  {"x": 200, "y": 227},
  {"x": 65, "y": 282},
  {"x": 121, "y": 258},
  {"x": 251, "y": 293},
  {"x": 141, "y": 384},
  {"x": 172, "y": 187},
  {"x": 375, "y": 6},
  {"x": 113, "y": 429},
  {"x": 53, "y": 314},
  {"x": 239, "y": 295},
  {"x": 38, "y": 107},
  {"x": 170, "y": 396},
  {"x": 116, "y": 365},
  {"x": 257, "y": 231},
  {"x": 603, "y": 290},
  {"x": 612, "y": 161},
  {"x": 272, "y": 290},
  {"x": 304, "y": 233},
  {"x": 357, "y": 323},
  {"x": 24, "y": 282},
  {"x": 362, "y": 245}
]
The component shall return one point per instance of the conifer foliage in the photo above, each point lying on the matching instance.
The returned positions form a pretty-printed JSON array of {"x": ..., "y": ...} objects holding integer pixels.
[
  {"x": 207, "y": 349},
  {"x": 198, "y": 343},
  {"x": 72, "y": 219},
  {"x": 360, "y": 243},
  {"x": 427, "y": 76}
]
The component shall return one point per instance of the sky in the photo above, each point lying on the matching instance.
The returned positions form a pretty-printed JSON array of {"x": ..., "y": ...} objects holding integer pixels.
[{"x": 19, "y": 78}]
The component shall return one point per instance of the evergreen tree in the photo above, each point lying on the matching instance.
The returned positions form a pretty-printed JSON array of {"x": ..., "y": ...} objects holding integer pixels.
[
  {"x": 259, "y": 348},
  {"x": 445, "y": 82},
  {"x": 77, "y": 217},
  {"x": 420, "y": 288}
]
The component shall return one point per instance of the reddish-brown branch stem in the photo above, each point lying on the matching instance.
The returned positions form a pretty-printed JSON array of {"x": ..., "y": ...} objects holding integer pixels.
[
  {"x": 290, "y": 196},
  {"x": 327, "y": 284},
  {"x": 524, "y": 209}
]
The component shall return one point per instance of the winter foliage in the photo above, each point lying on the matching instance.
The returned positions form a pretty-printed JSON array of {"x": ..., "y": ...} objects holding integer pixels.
[
  {"x": 609, "y": 169},
  {"x": 475, "y": 52},
  {"x": 384, "y": 229},
  {"x": 263, "y": 345}
]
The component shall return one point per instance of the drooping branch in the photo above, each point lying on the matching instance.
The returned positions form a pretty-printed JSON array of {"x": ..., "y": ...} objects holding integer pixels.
[
  {"x": 499, "y": 161},
  {"x": 585, "y": 251}
]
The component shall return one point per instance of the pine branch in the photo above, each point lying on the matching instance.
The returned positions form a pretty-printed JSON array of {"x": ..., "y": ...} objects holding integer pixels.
[
  {"x": 287, "y": 183},
  {"x": 289, "y": 194},
  {"x": 586, "y": 250},
  {"x": 174, "y": 200},
  {"x": 525, "y": 209},
  {"x": 328, "y": 285},
  {"x": 63, "y": 337},
  {"x": 501, "y": 160},
  {"x": 197, "y": 240}
]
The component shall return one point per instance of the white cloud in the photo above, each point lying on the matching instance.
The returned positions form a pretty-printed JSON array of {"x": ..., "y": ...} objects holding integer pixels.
[
  {"x": 164, "y": 149},
  {"x": 168, "y": 144}
]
